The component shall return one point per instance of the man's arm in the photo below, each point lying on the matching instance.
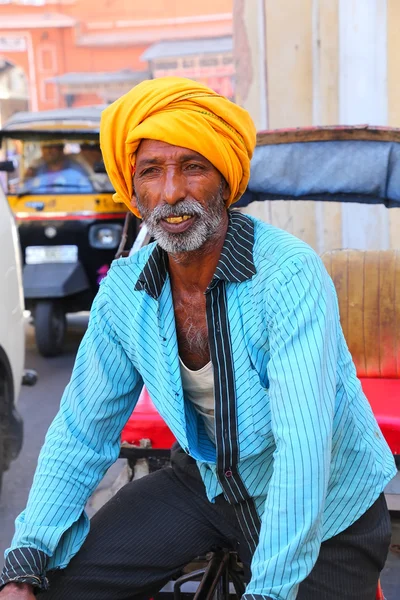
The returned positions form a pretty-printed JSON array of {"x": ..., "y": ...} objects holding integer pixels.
[
  {"x": 303, "y": 323},
  {"x": 81, "y": 444}
]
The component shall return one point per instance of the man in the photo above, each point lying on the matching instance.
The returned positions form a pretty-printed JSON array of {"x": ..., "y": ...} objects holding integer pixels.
[
  {"x": 90, "y": 158},
  {"x": 56, "y": 173},
  {"x": 233, "y": 327},
  {"x": 90, "y": 154}
]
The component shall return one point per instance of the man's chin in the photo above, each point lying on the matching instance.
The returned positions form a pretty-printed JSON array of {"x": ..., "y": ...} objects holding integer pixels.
[
  {"x": 193, "y": 239},
  {"x": 173, "y": 247},
  {"x": 178, "y": 243}
]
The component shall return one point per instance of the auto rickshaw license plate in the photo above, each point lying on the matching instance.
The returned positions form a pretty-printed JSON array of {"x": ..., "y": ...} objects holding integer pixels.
[{"x": 35, "y": 255}]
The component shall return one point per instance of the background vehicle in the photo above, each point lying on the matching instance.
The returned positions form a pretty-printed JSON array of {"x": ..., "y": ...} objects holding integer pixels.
[
  {"x": 69, "y": 225},
  {"x": 354, "y": 164},
  {"x": 12, "y": 337}
]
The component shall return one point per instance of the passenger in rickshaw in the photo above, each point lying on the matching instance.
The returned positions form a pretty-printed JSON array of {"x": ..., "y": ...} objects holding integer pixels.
[
  {"x": 56, "y": 172},
  {"x": 91, "y": 154},
  {"x": 90, "y": 158},
  {"x": 233, "y": 327}
]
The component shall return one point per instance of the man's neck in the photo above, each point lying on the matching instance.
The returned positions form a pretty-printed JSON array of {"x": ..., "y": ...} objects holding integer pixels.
[{"x": 195, "y": 270}]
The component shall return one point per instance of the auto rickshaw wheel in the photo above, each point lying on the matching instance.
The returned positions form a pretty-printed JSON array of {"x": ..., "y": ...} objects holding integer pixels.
[{"x": 50, "y": 327}]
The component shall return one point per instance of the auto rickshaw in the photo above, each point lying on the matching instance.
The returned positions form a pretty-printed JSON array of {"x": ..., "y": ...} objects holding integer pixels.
[{"x": 69, "y": 225}]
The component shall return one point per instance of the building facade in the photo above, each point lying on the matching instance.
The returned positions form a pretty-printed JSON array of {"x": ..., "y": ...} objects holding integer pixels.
[
  {"x": 14, "y": 93},
  {"x": 321, "y": 62},
  {"x": 75, "y": 53}
]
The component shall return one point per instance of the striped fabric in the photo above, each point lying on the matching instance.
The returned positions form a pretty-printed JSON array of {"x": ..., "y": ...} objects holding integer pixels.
[
  {"x": 298, "y": 450},
  {"x": 26, "y": 565}
]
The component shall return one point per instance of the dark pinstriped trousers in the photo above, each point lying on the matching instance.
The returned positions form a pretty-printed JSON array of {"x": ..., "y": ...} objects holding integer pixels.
[{"x": 156, "y": 525}]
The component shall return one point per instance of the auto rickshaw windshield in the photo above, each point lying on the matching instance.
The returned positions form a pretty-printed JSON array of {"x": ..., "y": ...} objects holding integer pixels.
[{"x": 56, "y": 167}]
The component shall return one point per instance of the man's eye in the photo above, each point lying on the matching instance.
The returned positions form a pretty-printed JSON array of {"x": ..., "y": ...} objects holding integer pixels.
[
  {"x": 148, "y": 171},
  {"x": 193, "y": 167}
]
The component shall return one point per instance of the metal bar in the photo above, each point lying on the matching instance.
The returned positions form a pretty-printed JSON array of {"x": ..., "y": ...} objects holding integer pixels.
[
  {"x": 132, "y": 452},
  {"x": 124, "y": 236},
  {"x": 329, "y": 133},
  {"x": 215, "y": 568},
  {"x": 237, "y": 581},
  {"x": 46, "y": 134},
  {"x": 193, "y": 575}
]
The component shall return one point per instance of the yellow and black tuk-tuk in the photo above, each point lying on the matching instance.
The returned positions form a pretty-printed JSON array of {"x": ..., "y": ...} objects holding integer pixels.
[{"x": 69, "y": 225}]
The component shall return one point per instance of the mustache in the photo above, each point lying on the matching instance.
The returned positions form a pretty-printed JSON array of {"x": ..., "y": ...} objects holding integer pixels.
[{"x": 185, "y": 207}]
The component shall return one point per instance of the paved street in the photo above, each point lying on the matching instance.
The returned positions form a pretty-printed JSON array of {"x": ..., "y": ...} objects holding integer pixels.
[{"x": 38, "y": 406}]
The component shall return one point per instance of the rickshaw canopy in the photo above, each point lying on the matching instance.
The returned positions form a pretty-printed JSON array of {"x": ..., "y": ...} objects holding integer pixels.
[
  {"x": 339, "y": 164},
  {"x": 68, "y": 123}
]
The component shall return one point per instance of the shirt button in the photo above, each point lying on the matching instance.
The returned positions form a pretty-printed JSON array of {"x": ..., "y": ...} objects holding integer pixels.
[{"x": 228, "y": 473}]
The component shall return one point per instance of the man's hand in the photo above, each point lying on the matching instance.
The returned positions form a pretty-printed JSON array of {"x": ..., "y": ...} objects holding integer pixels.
[{"x": 17, "y": 591}]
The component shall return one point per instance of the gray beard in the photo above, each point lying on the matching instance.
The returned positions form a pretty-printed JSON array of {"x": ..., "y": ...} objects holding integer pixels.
[{"x": 207, "y": 224}]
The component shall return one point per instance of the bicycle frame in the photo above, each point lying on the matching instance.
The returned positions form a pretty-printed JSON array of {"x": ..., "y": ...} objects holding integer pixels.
[{"x": 221, "y": 570}]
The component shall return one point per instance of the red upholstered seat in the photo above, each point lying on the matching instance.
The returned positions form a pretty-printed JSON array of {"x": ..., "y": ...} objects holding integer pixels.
[
  {"x": 146, "y": 423},
  {"x": 368, "y": 289},
  {"x": 382, "y": 394},
  {"x": 384, "y": 397}
]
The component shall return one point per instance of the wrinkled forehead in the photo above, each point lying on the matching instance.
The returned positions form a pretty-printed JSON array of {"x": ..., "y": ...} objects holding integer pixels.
[{"x": 159, "y": 151}]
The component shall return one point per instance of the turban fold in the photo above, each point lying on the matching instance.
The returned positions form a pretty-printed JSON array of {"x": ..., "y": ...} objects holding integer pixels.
[{"x": 182, "y": 113}]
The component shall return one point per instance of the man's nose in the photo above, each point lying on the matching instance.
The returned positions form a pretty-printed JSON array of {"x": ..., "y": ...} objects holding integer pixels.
[{"x": 174, "y": 187}]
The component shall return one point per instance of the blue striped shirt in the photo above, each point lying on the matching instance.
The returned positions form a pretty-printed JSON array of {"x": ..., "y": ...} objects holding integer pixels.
[{"x": 298, "y": 450}]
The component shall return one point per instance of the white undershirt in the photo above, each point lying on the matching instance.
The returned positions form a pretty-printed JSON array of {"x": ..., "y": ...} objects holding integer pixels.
[{"x": 198, "y": 388}]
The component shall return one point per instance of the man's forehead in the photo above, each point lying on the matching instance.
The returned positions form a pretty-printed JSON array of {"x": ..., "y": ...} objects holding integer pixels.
[{"x": 156, "y": 150}]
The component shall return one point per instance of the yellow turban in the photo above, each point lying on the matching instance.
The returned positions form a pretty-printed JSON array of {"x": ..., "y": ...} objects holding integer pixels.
[{"x": 182, "y": 113}]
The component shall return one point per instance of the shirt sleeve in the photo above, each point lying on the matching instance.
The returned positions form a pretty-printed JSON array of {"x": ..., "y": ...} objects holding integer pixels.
[
  {"x": 82, "y": 442},
  {"x": 303, "y": 326},
  {"x": 25, "y": 565}
]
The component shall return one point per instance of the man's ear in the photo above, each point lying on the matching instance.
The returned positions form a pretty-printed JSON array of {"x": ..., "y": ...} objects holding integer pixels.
[
  {"x": 134, "y": 203},
  {"x": 133, "y": 199},
  {"x": 226, "y": 192}
]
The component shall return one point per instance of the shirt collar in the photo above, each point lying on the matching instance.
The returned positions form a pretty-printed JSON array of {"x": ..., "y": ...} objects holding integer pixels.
[{"x": 235, "y": 265}]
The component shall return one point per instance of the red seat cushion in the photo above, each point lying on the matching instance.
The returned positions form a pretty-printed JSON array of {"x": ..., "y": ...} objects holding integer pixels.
[
  {"x": 384, "y": 397},
  {"x": 146, "y": 423}
]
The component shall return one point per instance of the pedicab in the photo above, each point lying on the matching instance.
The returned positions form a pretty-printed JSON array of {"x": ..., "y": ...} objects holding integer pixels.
[
  {"x": 69, "y": 226},
  {"x": 331, "y": 164}
]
